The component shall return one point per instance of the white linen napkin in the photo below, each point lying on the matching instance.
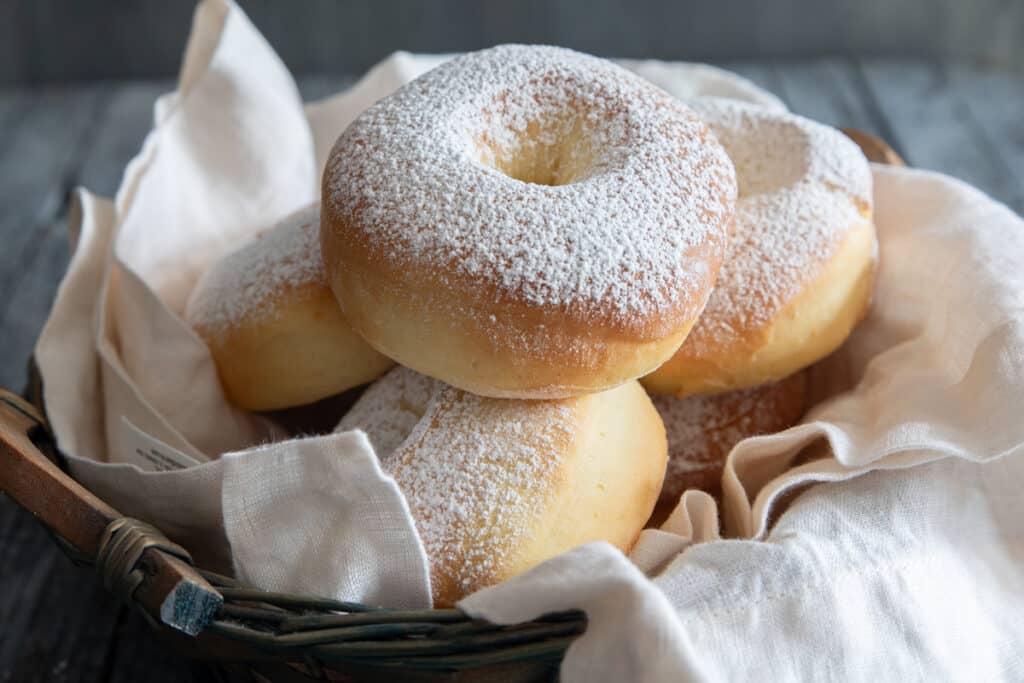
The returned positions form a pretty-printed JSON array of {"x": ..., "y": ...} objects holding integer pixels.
[
  {"x": 911, "y": 560},
  {"x": 125, "y": 378},
  {"x": 910, "y": 565},
  {"x": 231, "y": 151}
]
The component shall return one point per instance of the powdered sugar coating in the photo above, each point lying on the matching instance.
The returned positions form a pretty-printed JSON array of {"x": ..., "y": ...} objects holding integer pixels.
[
  {"x": 477, "y": 472},
  {"x": 245, "y": 283},
  {"x": 389, "y": 410},
  {"x": 702, "y": 430},
  {"x": 632, "y": 228},
  {"x": 802, "y": 188}
]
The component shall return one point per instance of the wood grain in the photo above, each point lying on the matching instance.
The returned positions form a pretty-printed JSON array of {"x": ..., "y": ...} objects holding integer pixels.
[
  {"x": 40, "y": 152},
  {"x": 994, "y": 109},
  {"x": 938, "y": 127},
  {"x": 875, "y": 148},
  {"x": 49, "y": 40},
  {"x": 56, "y": 622}
]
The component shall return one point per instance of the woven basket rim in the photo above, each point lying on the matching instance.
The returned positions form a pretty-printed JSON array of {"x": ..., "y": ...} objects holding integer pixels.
[{"x": 314, "y": 633}]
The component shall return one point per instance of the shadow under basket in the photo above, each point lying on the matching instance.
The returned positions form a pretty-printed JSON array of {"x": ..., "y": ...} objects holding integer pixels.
[{"x": 252, "y": 634}]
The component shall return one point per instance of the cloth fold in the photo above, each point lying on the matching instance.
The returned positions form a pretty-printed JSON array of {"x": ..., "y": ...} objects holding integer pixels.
[
  {"x": 904, "y": 562},
  {"x": 880, "y": 539}
]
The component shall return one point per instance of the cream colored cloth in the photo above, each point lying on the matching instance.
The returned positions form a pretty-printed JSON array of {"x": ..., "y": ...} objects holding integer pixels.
[
  {"x": 901, "y": 575},
  {"x": 909, "y": 566},
  {"x": 231, "y": 151}
]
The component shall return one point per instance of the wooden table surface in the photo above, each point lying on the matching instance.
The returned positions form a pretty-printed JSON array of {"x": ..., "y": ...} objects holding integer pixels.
[{"x": 56, "y": 622}]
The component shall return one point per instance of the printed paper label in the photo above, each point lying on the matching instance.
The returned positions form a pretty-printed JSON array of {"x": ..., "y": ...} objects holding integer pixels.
[{"x": 150, "y": 454}]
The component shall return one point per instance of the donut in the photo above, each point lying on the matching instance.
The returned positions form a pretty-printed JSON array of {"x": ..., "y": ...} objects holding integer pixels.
[
  {"x": 272, "y": 324},
  {"x": 390, "y": 408},
  {"x": 702, "y": 430},
  {"x": 526, "y": 222},
  {"x": 496, "y": 486},
  {"x": 800, "y": 268}
]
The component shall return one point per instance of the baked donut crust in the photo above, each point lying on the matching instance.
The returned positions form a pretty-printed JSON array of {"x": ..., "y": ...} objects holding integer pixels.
[
  {"x": 702, "y": 430},
  {"x": 800, "y": 270},
  {"x": 526, "y": 222},
  {"x": 497, "y": 486},
  {"x": 272, "y": 324}
]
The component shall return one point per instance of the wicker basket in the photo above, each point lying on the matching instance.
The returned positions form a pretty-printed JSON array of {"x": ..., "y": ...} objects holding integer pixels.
[{"x": 279, "y": 637}]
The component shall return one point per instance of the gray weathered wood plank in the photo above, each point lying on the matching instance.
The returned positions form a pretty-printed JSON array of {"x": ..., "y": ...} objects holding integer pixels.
[
  {"x": 994, "y": 104},
  {"x": 49, "y": 40},
  {"x": 937, "y": 130},
  {"x": 58, "y": 623},
  {"x": 834, "y": 92},
  {"x": 30, "y": 295},
  {"x": 43, "y": 146},
  {"x": 827, "y": 91},
  {"x": 118, "y": 136},
  {"x": 761, "y": 73},
  {"x": 12, "y": 105},
  {"x": 139, "y": 656}
]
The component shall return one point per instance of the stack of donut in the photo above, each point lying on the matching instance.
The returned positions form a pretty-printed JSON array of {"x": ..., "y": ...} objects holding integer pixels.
[{"x": 527, "y": 232}]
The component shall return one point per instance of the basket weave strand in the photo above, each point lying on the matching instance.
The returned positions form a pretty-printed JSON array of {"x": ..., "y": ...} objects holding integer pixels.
[
  {"x": 311, "y": 635},
  {"x": 332, "y": 632}
]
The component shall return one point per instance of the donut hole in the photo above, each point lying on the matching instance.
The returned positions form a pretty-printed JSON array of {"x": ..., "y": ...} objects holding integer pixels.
[
  {"x": 553, "y": 151},
  {"x": 768, "y": 155}
]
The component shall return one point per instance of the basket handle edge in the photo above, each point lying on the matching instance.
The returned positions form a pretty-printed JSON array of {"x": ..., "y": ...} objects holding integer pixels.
[
  {"x": 164, "y": 585},
  {"x": 874, "y": 148}
]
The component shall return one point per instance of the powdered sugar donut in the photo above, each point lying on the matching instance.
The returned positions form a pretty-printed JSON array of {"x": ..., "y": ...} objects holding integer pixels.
[
  {"x": 799, "y": 273},
  {"x": 391, "y": 408},
  {"x": 496, "y": 486},
  {"x": 272, "y": 324},
  {"x": 526, "y": 222},
  {"x": 702, "y": 430}
]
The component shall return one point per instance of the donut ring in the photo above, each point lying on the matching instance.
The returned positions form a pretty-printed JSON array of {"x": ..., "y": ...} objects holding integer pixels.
[
  {"x": 497, "y": 486},
  {"x": 273, "y": 326},
  {"x": 702, "y": 430},
  {"x": 526, "y": 222},
  {"x": 800, "y": 268}
]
